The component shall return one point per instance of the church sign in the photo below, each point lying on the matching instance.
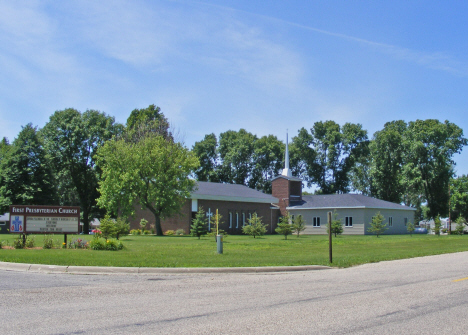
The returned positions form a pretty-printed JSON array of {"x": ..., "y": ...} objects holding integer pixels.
[{"x": 44, "y": 219}]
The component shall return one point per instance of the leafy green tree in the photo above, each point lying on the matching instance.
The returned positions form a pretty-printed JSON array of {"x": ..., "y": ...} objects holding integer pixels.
[
  {"x": 301, "y": 155},
  {"x": 298, "y": 225},
  {"x": 336, "y": 224},
  {"x": 199, "y": 224},
  {"x": 459, "y": 196},
  {"x": 410, "y": 228},
  {"x": 284, "y": 226},
  {"x": 388, "y": 158},
  {"x": 72, "y": 139},
  {"x": 142, "y": 122},
  {"x": 153, "y": 173},
  {"x": 207, "y": 152},
  {"x": 25, "y": 176},
  {"x": 377, "y": 226},
  {"x": 268, "y": 161},
  {"x": 328, "y": 154},
  {"x": 430, "y": 147},
  {"x": 255, "y": 226},
  {"x": 236, "y": 150}
]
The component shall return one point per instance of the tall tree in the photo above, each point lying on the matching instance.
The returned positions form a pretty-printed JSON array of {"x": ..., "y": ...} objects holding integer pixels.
[
  {"x": 336, "y": 150},
  {"x": 236, "y": 150},
  {"x": 301, "y": 155},
  {"x": 147, "y": 120},
  {"x": 268, "y": 160},
  {"x": 459, "y": 197},
  {"x": 431, "y": 146},
  {"x": 25, "y": 176},
  {"x": 388, "y": 159},
  {"x": 152, "y": 173},
  {"x": 207, "y": 152},
  {"x": 72, "y": 139}
]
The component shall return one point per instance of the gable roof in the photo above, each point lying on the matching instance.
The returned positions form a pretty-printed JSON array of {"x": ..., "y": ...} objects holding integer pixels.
[
  {"x": 331, "y": 201},
  {"x": 230, "y": 192}
]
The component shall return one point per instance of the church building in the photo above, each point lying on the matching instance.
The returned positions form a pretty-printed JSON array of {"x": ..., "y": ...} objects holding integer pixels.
[{"x": 237, "y": 203}]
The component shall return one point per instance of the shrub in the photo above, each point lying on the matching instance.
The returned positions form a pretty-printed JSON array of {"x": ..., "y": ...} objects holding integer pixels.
[
  {"x": 29, "y": 241},
  {"x": 410, "y": 228},
  {"x": 97, "y": 243},
  {"x": 179, "y": 232},
  {"x": 135, "y": 232},
  {"x": 336, "y": 224},
  {"x": 18, "y": 243},
  {"x": 169, "y": 232},
  {"x": 146, "y": 232},
  {"x": 48, "y": 242}
]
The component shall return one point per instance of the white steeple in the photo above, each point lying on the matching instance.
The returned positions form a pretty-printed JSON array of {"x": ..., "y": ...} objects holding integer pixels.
[{"x": 286, "y": 172}]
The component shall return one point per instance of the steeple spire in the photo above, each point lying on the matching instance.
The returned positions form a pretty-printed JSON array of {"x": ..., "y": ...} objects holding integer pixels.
[{"x": 286, "y": 172}]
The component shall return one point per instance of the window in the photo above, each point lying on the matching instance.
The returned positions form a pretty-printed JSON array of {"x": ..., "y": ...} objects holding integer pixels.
[
  {"x": 230, "y": 219},
  {"x": 390, "y": 221},
  {"x": 237, "y": 220},
  {"x": 348, "y": 221},
  {"x": 316, "y": 221},
  {"x": 243, "y": 219},
  {"x": 405, "y": 220}
]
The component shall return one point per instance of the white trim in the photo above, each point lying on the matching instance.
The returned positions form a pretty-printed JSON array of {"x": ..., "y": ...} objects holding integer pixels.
[
  {"x": 231, "y": 198},
  {"x": 349, "y": 207}
]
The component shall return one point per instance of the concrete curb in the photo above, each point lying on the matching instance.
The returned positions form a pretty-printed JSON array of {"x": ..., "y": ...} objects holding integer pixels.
[{"x": 95, "y": 270}]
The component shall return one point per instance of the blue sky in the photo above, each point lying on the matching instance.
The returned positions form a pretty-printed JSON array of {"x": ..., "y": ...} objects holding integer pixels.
[{"x": 217, "y": 65}]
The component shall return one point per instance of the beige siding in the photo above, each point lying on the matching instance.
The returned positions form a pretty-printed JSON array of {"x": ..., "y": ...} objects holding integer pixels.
[{"x": 361, "y": 219}]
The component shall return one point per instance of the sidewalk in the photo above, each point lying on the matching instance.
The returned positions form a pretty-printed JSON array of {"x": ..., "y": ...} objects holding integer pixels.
[{"x": 101, "y": 270}]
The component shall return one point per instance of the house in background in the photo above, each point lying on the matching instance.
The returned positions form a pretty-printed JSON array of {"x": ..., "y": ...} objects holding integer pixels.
[{"x": 5, "y": 223}]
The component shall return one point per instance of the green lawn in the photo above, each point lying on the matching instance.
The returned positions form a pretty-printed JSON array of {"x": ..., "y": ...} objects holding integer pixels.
[{"x": 185, "y": 251}]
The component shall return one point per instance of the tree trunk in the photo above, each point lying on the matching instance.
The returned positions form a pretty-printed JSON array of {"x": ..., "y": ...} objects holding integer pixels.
[{"x": 157, "y": 225}]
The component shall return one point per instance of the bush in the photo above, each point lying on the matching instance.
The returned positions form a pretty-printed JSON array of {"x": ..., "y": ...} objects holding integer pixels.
[
  {"x": 146, "y": 232},
  {"x": 103, "y": 244},
  {"x": 18, "y": 243},
  {"x": 97, "y": 243},
  {"x": 135, "y": 232},
  {"x": 179, "y": 232},
  {"x": 48, "y": 242},
  {"x": 113, "y": 245},
  {"x": 284, "y": 228},
  {"x": 169, "y": 232},
  {"x": 29, "y": 242}
]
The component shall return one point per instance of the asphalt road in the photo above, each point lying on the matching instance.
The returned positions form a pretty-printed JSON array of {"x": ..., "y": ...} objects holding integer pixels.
[{"x": 417, "y": 296}]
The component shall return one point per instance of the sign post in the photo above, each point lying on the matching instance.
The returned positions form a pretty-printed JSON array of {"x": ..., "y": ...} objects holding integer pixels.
[{"x": 330, "y": 253}]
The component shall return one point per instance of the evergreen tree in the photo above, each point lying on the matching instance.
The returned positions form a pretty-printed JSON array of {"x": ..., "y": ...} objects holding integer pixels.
[
  {"x": 255, "y": 227},
  {"x": 199, "y": 224},
  {"x": 298, "y": 225},
  {"x": 377, "y": 226},
  {"x": 336, "y": 225},
  {"x": 284, "y": 227}
]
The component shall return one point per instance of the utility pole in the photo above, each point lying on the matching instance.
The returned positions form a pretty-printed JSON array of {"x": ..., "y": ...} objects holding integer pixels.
[{"x": 330, "y": 253}]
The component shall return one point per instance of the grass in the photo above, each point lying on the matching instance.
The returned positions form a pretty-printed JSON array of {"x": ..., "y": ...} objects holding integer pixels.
[{"x": 272, "y": 250}]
